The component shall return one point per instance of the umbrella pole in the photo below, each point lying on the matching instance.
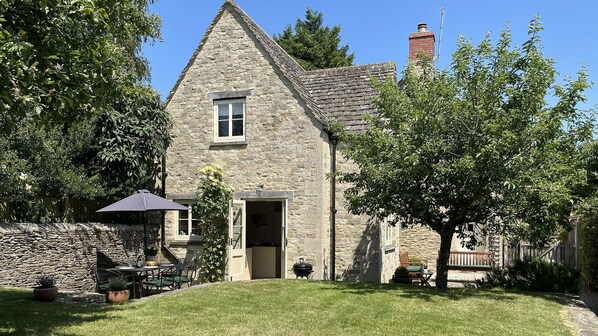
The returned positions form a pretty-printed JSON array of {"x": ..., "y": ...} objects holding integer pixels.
[{"x": 144, "y": 232}]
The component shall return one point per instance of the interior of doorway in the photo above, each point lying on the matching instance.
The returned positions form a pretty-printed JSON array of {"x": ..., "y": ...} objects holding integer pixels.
[{"x": 264, "y": 238}]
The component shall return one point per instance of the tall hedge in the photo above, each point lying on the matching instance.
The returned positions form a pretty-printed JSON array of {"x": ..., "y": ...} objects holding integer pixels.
[{"x": 589, "y": 241}]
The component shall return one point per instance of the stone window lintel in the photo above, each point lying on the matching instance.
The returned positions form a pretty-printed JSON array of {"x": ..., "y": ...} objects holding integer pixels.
[{"x": 229, "y": 94}]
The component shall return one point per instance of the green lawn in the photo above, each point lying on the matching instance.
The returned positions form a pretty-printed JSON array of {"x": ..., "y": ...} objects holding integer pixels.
[{"x": 295, "y": 307}]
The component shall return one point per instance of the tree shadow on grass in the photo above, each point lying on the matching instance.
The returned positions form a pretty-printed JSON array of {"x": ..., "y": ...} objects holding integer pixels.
[
  {"x": 429, "y": 293},
  {"x": 21, "y": 315}
]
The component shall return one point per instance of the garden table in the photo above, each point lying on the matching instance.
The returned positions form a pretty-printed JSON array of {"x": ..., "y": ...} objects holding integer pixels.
[
  {"x": 420, "y": 274},
  {"x": 138, "y": 274},
  {"x": 424, "y": 277}
]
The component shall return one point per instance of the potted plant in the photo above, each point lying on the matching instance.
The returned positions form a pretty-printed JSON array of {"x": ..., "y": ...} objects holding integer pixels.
[
  {"x": 46, "y": 289},
  {"x": 401, "y": 275},
  {"x": 117, "y": 292},
  {"x": 150, "y": 256}
]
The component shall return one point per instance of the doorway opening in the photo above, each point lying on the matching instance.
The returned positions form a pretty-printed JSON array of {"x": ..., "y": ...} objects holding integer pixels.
[{"x": 266, "y": 237}]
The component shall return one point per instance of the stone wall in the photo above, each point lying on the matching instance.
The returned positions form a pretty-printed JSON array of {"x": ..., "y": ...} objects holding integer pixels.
[
  {"x": 69, "y": 252},
  {"x": 424, "y": 243},
  {"x": 420, "y": 242},
  {"x": 362, "y": 254},
  {"x": 390, "y": 254},
  {"x": 285, "y": 145}
]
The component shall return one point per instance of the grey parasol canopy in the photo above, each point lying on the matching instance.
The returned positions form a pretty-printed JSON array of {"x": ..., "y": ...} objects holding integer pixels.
[{"x": 142, "y": 201}]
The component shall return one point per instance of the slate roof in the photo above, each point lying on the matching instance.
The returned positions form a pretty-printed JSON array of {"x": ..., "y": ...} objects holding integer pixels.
[{"x": 344, "y": 94}]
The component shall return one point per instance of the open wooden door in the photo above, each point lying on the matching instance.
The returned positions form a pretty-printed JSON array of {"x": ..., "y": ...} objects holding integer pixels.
[
  {"x": 284, "y": 241},
  {"x": 237, "y": 258}
]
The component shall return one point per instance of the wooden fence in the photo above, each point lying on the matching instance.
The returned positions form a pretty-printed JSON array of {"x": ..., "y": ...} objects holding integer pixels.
[{"x": 565, "y": 253}]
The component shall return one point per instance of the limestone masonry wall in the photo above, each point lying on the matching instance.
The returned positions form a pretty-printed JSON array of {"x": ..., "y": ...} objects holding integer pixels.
[
  {"x": 422, "y": 243},
  {"x": 69, "y": 252},
  {"x": 284, "y": 146},
  {"x": 359, "y": 252}
]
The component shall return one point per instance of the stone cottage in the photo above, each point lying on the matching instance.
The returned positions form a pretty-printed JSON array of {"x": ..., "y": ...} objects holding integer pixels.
[{"x": 242, "y": 102}]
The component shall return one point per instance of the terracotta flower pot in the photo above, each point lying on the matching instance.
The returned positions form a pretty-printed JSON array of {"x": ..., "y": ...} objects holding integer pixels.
[
  {"x": 117, "y": 297},
  {"x": 45, "y": 294}
]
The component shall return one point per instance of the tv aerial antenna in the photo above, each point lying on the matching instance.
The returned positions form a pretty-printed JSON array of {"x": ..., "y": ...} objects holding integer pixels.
[{"x": 440, "y": 35}]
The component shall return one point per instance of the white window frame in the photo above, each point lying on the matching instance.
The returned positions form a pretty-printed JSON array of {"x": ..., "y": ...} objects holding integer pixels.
[
  {"x": 388, "y": 234},
  {"x": 189, "y": 236},
  {"x": 230, "y": 123},
  {"x": 388, "y": 231}
]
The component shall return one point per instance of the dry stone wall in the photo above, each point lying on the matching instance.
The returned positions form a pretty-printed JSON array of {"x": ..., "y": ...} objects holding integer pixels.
[{"x": 69, "y": 252}]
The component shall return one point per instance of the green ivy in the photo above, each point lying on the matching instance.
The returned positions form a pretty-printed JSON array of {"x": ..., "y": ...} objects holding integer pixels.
[{"x": 211, "y": 210}]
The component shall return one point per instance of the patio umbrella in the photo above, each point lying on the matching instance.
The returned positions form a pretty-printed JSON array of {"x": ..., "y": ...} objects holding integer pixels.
[{"x": 142, "y": 201}]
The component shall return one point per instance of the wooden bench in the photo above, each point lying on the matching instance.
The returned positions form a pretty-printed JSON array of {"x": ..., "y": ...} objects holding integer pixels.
[{"x": 471, "y": 261}]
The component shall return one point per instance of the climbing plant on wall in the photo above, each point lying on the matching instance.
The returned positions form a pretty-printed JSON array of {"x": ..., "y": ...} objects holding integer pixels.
[{"x": 211, "y": 210}]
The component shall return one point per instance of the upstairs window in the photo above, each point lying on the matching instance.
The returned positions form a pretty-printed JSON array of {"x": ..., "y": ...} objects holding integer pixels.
[{"x": 229, "y": 119}]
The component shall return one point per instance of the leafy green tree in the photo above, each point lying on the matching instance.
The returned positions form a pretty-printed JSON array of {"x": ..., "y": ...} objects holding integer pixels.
[
  {"x": 77, "y": 117},
  {"x": 314, "y": 46},
  {"x": 476, "y": 143}
]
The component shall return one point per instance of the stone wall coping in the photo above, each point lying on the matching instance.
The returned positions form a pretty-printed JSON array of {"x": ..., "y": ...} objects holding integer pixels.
[{"x": 32, "y": 227}]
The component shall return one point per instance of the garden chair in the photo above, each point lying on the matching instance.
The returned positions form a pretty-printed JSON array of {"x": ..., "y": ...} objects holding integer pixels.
[
  {"x": 411, "y": 267},
  {"x": 186, "y": 275},
  {"x": 163, "y": 279},
  {"x": 415, "y": 269},
  {"x": 103, "y": 277}
]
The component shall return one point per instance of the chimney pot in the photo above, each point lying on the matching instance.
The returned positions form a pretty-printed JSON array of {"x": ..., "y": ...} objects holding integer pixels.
[{"x": 422, "y": 27}]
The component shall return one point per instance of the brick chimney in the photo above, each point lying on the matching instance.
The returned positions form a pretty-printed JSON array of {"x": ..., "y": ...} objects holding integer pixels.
[{"x": 422, "y": 40}]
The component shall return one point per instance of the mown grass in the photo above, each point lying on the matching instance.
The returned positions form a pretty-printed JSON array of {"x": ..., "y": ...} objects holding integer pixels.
[{"x": 295, "y": 307}]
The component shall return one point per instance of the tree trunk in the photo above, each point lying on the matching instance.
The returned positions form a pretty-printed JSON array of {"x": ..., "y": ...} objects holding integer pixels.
[{"x": 443, "y": 259}]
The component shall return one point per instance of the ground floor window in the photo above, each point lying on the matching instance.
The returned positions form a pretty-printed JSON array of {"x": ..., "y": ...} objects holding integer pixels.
[{"x": 187, "y": 226}]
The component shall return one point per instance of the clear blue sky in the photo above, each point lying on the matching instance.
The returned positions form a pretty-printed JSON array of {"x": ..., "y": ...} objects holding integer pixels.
[{"x": 377, "y": 30}]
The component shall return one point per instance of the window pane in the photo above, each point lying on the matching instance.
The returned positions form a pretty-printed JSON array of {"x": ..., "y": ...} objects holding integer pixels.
[
  {"x": 237, "y": 243},
  {"x": 183, "y": 214},
  {"x": 183, "y": 227},
  {"x": 222, "y": 111},
  {"x": 237, "y": 127},
  {"x": 237, "y": 110},
  {"x": 195, "y": 229},
  {"x": 237, "y": 233},
  {"x": 223, "y": 128}
]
